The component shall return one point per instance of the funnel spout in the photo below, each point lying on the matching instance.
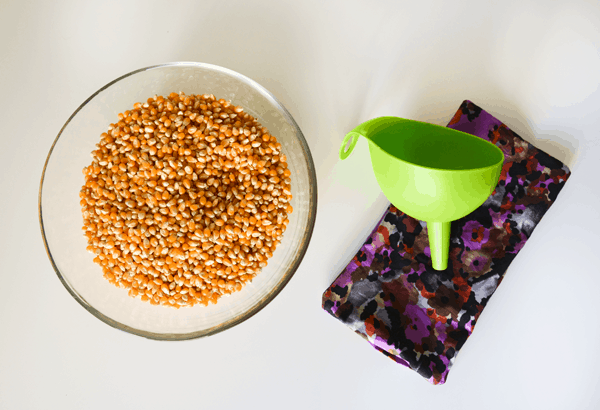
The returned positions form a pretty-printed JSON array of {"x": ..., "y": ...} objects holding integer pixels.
[{"x": 439, "y": 243}]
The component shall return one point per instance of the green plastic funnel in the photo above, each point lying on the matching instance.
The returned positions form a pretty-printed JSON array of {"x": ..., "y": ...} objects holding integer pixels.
[{"x": 432, "y": 173}]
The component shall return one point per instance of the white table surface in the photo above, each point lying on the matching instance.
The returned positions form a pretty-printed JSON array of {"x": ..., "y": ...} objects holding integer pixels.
[{"x": 333, "y": 64}]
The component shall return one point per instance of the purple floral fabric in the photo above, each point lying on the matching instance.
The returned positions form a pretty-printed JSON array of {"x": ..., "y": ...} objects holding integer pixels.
[{"x": 421, "y": 318}]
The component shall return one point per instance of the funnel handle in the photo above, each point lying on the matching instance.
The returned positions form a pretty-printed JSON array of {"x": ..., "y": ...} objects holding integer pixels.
[
  {"x": 345, "y": 153},
  {"x": 367, "y": 129}
]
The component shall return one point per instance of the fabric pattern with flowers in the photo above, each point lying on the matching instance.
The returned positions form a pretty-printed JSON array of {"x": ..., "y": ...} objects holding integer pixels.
[{"x": 421, "y": 318}]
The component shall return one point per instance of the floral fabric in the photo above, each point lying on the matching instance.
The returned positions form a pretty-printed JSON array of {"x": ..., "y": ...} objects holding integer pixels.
[{"x": 421, "y": 318}]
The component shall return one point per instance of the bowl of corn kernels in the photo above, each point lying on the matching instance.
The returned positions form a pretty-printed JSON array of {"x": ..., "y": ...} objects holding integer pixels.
[{"x": 177, "y": 201}]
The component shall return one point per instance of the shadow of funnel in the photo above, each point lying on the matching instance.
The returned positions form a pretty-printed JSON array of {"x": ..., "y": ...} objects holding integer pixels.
[{"x": 432, "y": 173}]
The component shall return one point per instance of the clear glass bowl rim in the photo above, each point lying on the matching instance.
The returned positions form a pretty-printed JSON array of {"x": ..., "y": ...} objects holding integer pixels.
[{"x": 285, "y": 278}]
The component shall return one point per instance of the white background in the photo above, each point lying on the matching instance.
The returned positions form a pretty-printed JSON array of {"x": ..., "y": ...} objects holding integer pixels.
[{"x": 333, "y": 64}]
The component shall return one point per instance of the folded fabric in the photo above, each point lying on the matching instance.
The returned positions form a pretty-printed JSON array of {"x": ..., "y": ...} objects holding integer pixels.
[{"x": 389, "y": 293}]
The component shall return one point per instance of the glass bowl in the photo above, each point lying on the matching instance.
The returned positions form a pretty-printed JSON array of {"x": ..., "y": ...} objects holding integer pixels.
[{"x": 61, "y": 219}]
